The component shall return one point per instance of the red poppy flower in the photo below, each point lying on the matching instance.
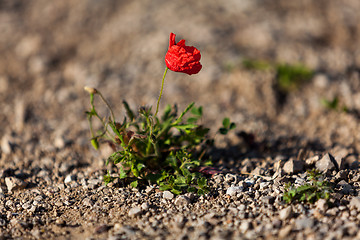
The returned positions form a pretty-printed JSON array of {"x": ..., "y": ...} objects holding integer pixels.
[{"x": 181, "y": 58}]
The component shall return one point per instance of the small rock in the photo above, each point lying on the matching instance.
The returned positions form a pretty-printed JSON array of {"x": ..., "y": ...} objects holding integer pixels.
[
  {"x": 102, "y": 228},
  {"x": 232, "y": 191},
  {"x": 60, "y": 222},
  {"x": 231, "y": 178},
  {"x": 135, "y": 211},
  {"x": 145, "y": 206},
  {"x": 245, "y": 226},
  {"x": 69, "y": 178},
  {"x": 88, "y": 202},
  {"x": 59, "y": 142},
  {"x": 322, "y": 205},
  {"x": 304, "y": 222},
  {"x": 312, "y": 160},
  {"x": 179, "y": 220},
  {"x": 355, "y": 203},
  {"x": 286, "y": 213},
  {"x": 149, "y": 189},
  {"x": 293, "y": 166},
  {"x": 33, "y": 209},
  {"x": 345, "y": 187},
  {"x": 285, "y": 231},
  {"x": 341, "y": 175},
  {"x": 6, "y": 145},
  {"x": 168, "y": 195},
  {"x": 13, "y": 183},
  {"x": 327, "y": 162},
  {"x": 268, "y": 200},
  {"x": 182, "y": 200}
]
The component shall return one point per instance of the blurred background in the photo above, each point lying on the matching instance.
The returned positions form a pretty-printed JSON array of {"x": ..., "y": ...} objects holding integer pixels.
[{"x": 275, "y": 67}]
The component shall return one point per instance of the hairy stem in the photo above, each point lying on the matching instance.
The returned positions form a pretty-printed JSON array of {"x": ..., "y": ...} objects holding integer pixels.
[{"x": 161, "y": 90}]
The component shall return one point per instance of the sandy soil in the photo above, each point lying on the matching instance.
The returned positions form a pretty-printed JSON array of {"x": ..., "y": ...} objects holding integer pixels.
[{"x": 51, "y": 50}]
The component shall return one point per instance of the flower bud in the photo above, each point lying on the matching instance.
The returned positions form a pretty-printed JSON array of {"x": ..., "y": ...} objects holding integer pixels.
[{"x": 90, "y": 90}]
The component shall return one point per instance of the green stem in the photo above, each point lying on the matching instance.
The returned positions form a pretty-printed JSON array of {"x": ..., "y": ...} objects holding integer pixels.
[
  {"x": 108, "y": 106},
  {"x": 161, "y": 90}
]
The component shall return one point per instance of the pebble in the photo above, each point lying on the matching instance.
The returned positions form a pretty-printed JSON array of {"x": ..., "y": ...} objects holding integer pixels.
[
  {"x": 245, "y": 226},
  {"x": 355, "y": 203},
  {"x": 326, "y": 163},
  {"x": 268, "y": 200},
  {"x": 182, "y": 200},
  {"x": 345, "y": 187},
  {"x": 168, "y": 195},
  {"x": 286, "y": 213},
  {"x": 135, "y": 211},
  {"x": 88, "y": 202},
  {"x": 6, "y": 145},
  {"x": 145, "y": 206},
  {"x": 232, "y": 191},
  {"x": 321, "y": 205},
  {"x": 293, "y": 166},
  {"x": 304, "y": 222},
  {"x": 13, "y": 183},
  {"x": 69, "y": 178}
]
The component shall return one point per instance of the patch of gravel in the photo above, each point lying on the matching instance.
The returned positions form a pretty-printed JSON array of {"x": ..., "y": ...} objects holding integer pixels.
[{"x": 51, "y": 180}]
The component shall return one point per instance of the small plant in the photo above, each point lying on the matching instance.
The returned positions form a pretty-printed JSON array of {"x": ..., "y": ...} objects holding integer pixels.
[
  {"x": 291, "y": 77},
  {"x": 288, "y": 77},
  {"x": 256, "y": 64},
  {"x": 167, "y": 150},
  {"x": 333, "y": 104},
  {"x": 310, "y": 192}
]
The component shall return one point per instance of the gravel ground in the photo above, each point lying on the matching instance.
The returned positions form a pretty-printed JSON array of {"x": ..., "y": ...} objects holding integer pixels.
[{"x": 51, "y": 178}]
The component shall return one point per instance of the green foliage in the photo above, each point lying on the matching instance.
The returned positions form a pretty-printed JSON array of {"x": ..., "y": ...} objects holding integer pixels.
[
  {"x": 227, "y": 126},
  {"x": 256, "y": 64},
  {"x": 291, "y": 77},
  {"x": 333, "y": 105},
  {"x": 288, "y": 77},
  {"x": 309, "y": 192},
  {"x": 165, "y": 150}
]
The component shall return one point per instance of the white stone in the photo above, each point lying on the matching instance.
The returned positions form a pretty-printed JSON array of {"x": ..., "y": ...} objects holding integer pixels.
[
  {"x": 13, "y": 183},
  {"x": 69, "y": 178},
  {"x": 286, "y": 213},
  {"x": 232, "y": 191},
  {"x": 182, "y": 200},
  {"x": 135, "y": 211},
  {"x": 168, "y": 195}
]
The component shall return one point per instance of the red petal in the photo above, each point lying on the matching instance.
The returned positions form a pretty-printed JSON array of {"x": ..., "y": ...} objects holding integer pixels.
[{"x": 172, "y": 40}]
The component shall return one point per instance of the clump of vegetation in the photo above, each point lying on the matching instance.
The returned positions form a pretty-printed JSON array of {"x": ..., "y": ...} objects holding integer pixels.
[
  {"x": 334, "y": 105},
  {"x": 288, "y": 77},
  {"x": 166, "y": 151},
  {"x": 256, "y": 64},
  {"x": 310, "y": 192},
  {"x": 291, "y": 77}
]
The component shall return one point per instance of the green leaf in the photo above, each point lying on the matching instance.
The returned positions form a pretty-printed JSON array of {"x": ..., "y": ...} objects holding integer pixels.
[
  {"x": 95, "y": 143},
  {"x": 226, "y": 123},
  {"x": 202, "y": 182},
  {"x": 176, "y": 192},
  {"x": 185, "y": 126},
  {"x": 164, "y": 187},
  {"x": 223, "y": 131},
  {"x": 122, "y": 173},
  {"x": 192, "y": 120},
  {"x": 183, "y": 113},
  {"x": 232, "y": 126},
  {"x": 197, "y": 111},
  {"x": 129, "y": 112},
  {"x": 134, "y": 184}
]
